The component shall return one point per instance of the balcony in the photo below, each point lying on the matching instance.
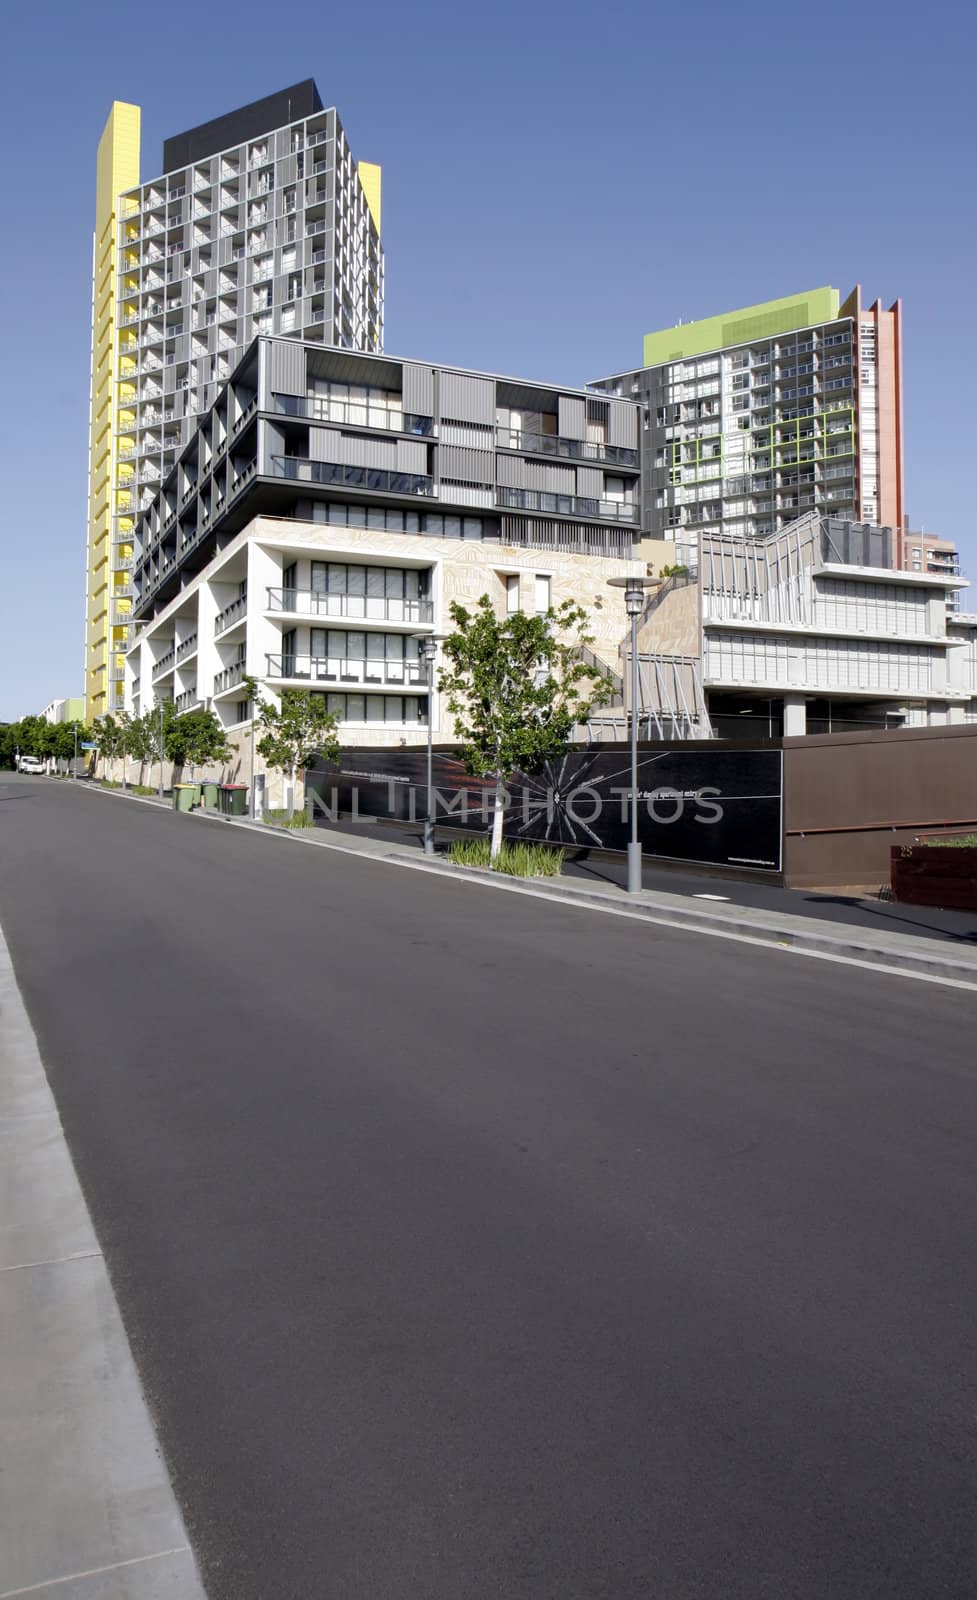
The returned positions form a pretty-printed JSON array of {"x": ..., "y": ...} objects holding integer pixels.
[
  {"x": 231, "y": 614},
  {"x": 358, "y": 607},
  {"x": 343, "y": 671},
  {"x": 187, "y": 700},
  {"x": 186, "y": 648},
  {"x": 164, "y": 665},
  {"x": 567, "y": 505},
  {"x": 551, "y": 444},
  {"x": 347, "y": 477},
  {"x": 229, "y": 677},
  {"x": 320, "y": 408}
]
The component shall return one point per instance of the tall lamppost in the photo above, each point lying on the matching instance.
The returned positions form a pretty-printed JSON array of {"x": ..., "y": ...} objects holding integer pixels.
[
  {"x": 634, "y": 604},
  {"x": 162, "y": 750},
  {"x": 427, "y": 644}
]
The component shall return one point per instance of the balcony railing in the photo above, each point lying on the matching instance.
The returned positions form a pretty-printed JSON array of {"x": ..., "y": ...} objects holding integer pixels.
[
  {"x": 360, "y": 607},
  {"x": 187, "y": 647},
  {"x": 346, "y": 670},
  {"x": 231, "y": 614},
  {"x": 164, "y": 665},
  {"x": 347, "y": 477},
  {"x": 229, "y": 677},
  {"x": 320, "y": 408},
  {"x": 185, "y": 701},
  {"x": 567, "y": 505},
  {"x": 550, "y": 444}
]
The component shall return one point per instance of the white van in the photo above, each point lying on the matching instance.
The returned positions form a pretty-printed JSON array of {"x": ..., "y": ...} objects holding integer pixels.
[{"x": 31, "y": 764}]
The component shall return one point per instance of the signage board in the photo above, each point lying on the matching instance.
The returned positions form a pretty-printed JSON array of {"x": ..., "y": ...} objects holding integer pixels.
[{"x": 713, "y": 806}]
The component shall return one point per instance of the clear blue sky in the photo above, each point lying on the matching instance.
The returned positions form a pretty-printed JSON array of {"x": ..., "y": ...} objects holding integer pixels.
[{"x": 558, "y": 179}]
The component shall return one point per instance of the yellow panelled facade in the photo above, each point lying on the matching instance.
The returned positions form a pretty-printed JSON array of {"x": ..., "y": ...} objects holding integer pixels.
[
  {"x": 111, "y": 492},
  {"x": 370, "y": 176}
]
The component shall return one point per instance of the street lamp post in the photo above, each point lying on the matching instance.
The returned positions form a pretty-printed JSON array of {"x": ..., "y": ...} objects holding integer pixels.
[
  {"x": 428, "y": 648},
  {"x": 161, "y": 750},
  {"x": 634, "y": 601}
]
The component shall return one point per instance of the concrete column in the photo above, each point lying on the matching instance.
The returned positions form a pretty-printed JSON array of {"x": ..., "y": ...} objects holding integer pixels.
[{"x": 795, "y": 715}]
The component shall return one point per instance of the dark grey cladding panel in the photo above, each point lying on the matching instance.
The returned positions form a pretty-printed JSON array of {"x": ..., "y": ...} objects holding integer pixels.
[
  {"x": 418, "y": 390},
  {"x": 236, "y": 127},
  {"x": 856, "y": 544},
  {"x": 466, "y": 398},
  {"x": 288, "y": 371},
  {"x": 622, "y": 424},
  {"x": 572, "y": 422}
]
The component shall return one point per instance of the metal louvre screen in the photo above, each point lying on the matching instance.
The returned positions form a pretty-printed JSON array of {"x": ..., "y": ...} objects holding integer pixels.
[
  {"x": 288, "y": 374},
  {"x": 467, "y": 399}
]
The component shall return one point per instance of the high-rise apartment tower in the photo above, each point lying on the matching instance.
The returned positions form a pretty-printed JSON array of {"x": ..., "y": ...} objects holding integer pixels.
[
  {"x": 752, "y": 418},
  {"x": 259, "y": 222}
]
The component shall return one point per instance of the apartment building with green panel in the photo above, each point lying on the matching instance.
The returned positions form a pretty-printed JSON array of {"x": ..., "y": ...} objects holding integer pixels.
[{"x": 754, "y": 417}]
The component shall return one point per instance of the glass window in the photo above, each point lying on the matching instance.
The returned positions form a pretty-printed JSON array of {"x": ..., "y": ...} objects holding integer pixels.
[
  {"x": 356, "y": 708},
  {"x": 375, "y": 583},
  {"x": 356, "y": 581},
  {"x": 374, "y": 707},
  {"x": 542, "y": 593},
  {"x": 393, "y": 708},
  {"x": 336, "y": 703},
  {"x": 376, "y": 517},
  {"x": 412, "y": 522},
  {"x": 452, "y": 527},
  {"x": 394, "y": 584},
  {"x": 512, "y": 593},
  {"x": 337, "y": 578}
]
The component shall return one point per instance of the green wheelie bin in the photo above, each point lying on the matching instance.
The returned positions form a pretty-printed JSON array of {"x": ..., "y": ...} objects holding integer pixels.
[
  {"x": 234, "y": 799},
  {"x": 186, "y": 796}
]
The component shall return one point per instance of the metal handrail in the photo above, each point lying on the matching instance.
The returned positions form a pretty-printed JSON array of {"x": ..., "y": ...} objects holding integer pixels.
[
  {"x": 230, "y": 613},
  {"x": 361, "y": 607},
  {"x": 343, "y": 670}
]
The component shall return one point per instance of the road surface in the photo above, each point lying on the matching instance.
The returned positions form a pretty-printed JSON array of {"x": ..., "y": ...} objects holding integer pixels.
[{"x": 471, "y": 1246}]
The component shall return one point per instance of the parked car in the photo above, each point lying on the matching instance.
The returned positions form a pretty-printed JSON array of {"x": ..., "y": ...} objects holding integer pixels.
[{"x": 31, "y": 764}]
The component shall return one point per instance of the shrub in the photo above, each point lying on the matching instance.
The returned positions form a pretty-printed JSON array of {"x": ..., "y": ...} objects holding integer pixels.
[
  {"x": 285, "y": 819},
  {"x": 515, "y": 860},
  {"x": 958, "y": 841}
]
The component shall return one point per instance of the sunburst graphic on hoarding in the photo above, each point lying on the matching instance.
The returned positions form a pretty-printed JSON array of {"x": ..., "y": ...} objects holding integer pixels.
[{"x": 565, "y": 810}]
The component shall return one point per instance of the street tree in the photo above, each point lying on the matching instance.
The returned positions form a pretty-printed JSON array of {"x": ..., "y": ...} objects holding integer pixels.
[
  {"x": 108, "y": 737},
  {"x": 196, "y": 738},
  {"x": 516, "y": 687},
  {"x": 68, "y": 740},
  {"x": 295, "y": 732}
]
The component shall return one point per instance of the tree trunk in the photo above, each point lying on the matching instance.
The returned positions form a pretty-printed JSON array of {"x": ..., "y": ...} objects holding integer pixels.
[{"x": 498, "y": 817}]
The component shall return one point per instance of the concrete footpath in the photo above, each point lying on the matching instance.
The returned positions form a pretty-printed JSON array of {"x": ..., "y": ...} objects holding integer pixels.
[
  {"x": 938, "y": 959},
  {"x": 86, "y": 1507}
]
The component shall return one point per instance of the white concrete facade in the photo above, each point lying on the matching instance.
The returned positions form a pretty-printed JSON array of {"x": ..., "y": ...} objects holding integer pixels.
[{"x": 337, "y": 611}]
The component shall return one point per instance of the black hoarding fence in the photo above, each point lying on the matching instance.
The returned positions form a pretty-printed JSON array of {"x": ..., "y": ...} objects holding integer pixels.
[{"x": 716, "y": 807}]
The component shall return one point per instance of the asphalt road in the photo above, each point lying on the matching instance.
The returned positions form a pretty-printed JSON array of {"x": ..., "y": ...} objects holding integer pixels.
[
  {"x": 854, "y": 911},
  {"x": 474, "y": 1247}
]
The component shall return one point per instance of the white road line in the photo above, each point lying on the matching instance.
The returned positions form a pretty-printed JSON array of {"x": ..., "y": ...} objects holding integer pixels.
[
  {"x": 55, "y": 1261},
  {"x": 94, "y": 1572}
]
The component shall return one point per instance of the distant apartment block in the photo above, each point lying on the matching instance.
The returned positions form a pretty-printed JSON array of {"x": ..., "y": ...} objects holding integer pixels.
[
  {"x": 752, "y": 418},
  {"x": 260, "y": 221}
]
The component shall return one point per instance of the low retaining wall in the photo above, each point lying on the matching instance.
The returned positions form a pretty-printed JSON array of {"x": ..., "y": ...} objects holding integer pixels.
[
  {"x": 935, "y": 875},
  {"x": 850, "y": 797}
]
